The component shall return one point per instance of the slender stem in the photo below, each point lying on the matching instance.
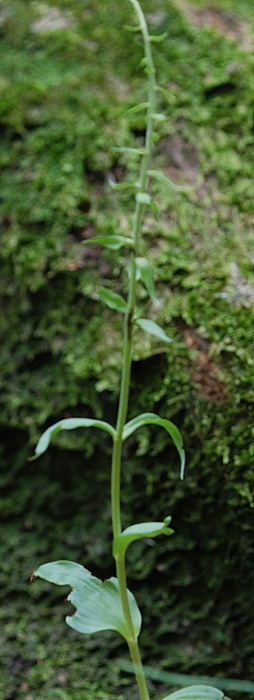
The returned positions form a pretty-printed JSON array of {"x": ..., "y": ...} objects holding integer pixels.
[
  {"x": 126, "y": 364},
  {"x": 121, "y": 418},
  {"x": 138, "y": 668},
  {"x": 132, "y": 639}
]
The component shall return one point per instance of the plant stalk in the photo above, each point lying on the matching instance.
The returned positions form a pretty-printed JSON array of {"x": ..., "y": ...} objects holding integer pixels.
[{"x": 127, "y": 360}]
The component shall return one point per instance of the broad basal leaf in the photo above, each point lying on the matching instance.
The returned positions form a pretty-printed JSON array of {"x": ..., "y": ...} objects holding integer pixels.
[
  {"x": 69, "y": 424},
  {"x": 139, "y": 531},
  {"x": 197, "y": 692},
  {"x": 158, "y": 175},
  {"x": 115, "y": 301},
  {"x": 145, "y": 273},
  {"x": 98, "y": 604},
  {"x": 154, "y": 419},
  {"x": 153, "y": 329},
  {"x": 114, "y": 242}
]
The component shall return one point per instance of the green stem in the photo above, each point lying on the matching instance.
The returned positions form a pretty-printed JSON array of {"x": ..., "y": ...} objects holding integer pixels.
[
  {"x": 126, "y": 364},
  {"x": 138, "y": 668}
]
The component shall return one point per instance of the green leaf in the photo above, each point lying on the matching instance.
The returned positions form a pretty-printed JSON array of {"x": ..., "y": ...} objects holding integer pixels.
[
  {"x": 125, "y": 149},
  {"x": 154, "y": 419},
  {"x": 158, "y": 38},
  {"x": 197, "y": 692},
  {"x": 143, "y": 198},
  {"x": 155, "y": 209},
  {"x": 69, "y": 424},
  {"x": 121, "y": 185},
  {"x": 144, "y": 63},
  {"x": 153, "y": 328},
  {"x": 168, "y": 96},
  {"x": 98, "y": 604},
  {"x": 145, "y": 273},
  {"x": 115, "y": 301},
  {"x": 138, "y": 108},
  {"x": 187, "y": 680},
  {"x": 139, "y": 531},
  {"x": 114, "y": 241},
  {"x": 134, "y": 29},
  {"x": 158, "y": 175},
  {"x": 158, "y": 117}
]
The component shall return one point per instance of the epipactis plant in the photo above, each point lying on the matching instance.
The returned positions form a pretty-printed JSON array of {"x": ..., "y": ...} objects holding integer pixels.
[{"x": 109, "y": 605}]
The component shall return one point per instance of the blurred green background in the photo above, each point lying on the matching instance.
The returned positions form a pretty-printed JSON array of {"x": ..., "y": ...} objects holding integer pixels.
[{"x": 69, "y": 73}]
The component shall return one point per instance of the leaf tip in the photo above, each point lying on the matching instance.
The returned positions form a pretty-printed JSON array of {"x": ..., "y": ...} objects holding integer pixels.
[
  {"x": 182, "y": 470},
  {"x": 32, "y": 459}
]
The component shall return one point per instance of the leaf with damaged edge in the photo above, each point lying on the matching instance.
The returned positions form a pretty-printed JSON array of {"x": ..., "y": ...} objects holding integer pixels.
[{"x": 98, "y": 604}]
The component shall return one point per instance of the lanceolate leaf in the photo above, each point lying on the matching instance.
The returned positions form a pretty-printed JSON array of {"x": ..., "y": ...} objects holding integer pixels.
[
  {"x": 114, "y": 242},
  {"x": 197, "y": 692},
  {"x": 154, "y": 419},
  {"x": 69, "y": 424},
  {"x": 121, "y": 185},
  {"x": 155, "y": 209},
  {"x": 166, "y": 94},
  {"x": 157, "y": 38},
  {"x": 98, "y": 604},
  {"x": 139, "y": 531},
  {"x": 158, "y": 175},
  {"x": 145, "y": 273},
  {"x": 115, "y": 301},
  {"x": 135, "y": 29},
  {"x": 153, "y": 328},
  {"x": 125, "y": 149},
  {"x": 138, "y": 108}
]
